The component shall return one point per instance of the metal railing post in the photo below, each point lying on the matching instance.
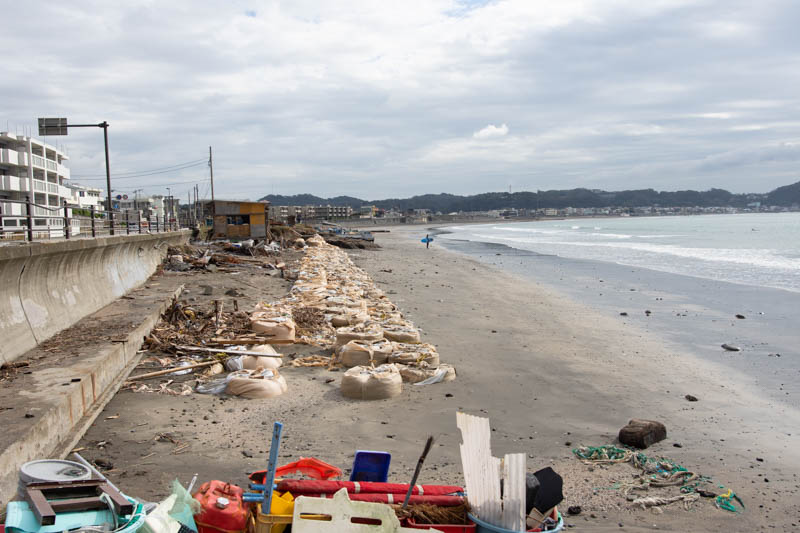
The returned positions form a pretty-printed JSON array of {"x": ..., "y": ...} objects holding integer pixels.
[
  {"x": 139, "y": 214},
  {"x": 127, "y": 223},
  {"x": 166, "y": 228},
  {"x": 66, "y": 220},
  {"x": 158, "y": 230},
  {"x": 94, "y": 229},
  {"x": 111, "y": 222},
  {"x": 29, "y": 211}
]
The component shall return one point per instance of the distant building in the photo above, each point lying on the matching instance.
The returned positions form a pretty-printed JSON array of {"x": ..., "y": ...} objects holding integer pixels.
[
  {"x": 290, "y": 214},
  {"x": 86, "y": 197}
]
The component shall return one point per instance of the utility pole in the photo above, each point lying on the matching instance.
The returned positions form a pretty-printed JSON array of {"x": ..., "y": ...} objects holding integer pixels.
[{"x": 211, "y": 167}]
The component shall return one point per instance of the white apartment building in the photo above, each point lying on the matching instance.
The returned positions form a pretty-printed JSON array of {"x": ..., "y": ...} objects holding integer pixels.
[
  {"x": 30, "y": 167},
  {"x": 86, "y": 197}
]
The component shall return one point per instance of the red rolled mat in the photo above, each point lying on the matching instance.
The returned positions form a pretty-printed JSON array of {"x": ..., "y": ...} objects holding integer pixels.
[
  {"x": 443, "y": 501},
  {"x": 313, "y": 486}
]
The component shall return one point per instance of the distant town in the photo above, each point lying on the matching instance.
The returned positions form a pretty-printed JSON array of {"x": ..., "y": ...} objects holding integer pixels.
[{"x": 37, "y": 191}]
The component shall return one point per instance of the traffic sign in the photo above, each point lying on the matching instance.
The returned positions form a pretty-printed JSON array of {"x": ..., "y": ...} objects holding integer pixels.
[{"x": 52, "y": 126}]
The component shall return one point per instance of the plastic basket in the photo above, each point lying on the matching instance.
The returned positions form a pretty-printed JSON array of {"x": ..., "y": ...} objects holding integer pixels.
[
  {"x": 277, "y": 522},
  {"x": 371, "y": 466},
  {"x": 483, "y": 527},
  {"x": 444, "y": 528}
]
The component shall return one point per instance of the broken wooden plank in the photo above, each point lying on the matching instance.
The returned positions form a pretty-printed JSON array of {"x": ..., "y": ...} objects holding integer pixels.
[{"x": 230, "y": 351}]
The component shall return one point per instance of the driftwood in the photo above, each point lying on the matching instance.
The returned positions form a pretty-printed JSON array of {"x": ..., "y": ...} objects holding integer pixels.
[
  {"x": 250, "y": 340},
  {"x": 171, "y": 370}
]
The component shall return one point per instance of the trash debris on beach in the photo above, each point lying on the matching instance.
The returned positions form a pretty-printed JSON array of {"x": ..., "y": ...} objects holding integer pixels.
[{"x": 332, "y": 305}]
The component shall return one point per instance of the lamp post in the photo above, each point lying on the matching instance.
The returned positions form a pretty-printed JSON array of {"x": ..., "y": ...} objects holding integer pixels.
[{"x": 169, "y": 205}]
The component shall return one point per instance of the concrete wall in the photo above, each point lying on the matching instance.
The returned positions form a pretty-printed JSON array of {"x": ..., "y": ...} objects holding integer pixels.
[{"x": 46, "y": 287}]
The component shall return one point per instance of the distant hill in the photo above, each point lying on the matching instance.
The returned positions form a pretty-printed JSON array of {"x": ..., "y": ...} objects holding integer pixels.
[
  {"x": 786, "y": 195},
  {"x": 447, "y": 203}
]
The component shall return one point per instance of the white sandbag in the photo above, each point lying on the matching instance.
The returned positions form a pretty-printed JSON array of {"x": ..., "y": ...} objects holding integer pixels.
[
  {"x": 421, "y": 373},
  {"x": 409, "y": 354},
  {"x": 358, "y": 333},
  {"x": 252, "y": 362},
  {"x": 402, "y": 334},
  {"x": 366, "y": 383},
  {"x": 256, "y": 384},
  {"x": 356, "y": 353},
  {"x": 266, "y": 349},
  {"x": 381, "y": 350},
  {"x": 277, "y": 327},
  {"x": 349, "y": 319}
]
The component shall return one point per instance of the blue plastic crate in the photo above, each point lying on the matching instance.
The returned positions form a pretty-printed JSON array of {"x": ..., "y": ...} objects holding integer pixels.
[{"x": 371, "y": 466}]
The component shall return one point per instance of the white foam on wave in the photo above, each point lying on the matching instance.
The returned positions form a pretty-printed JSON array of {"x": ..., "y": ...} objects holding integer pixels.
[{"x": 742, "y": 256}]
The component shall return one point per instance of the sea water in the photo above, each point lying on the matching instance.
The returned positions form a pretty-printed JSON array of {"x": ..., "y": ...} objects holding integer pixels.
[{"x": 758, "y": 249}]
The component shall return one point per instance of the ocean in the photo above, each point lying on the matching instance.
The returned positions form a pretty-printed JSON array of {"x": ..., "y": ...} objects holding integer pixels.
[
  {"x": 760, "y": 250},
  {"x": 684, "y": 279}
]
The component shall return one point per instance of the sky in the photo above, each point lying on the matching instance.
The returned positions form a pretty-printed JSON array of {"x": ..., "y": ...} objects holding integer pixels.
[{"x": 379, "y": 99}]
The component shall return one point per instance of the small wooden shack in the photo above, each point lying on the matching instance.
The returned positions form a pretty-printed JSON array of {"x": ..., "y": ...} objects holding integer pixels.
[{"x": 236, "y": 220}]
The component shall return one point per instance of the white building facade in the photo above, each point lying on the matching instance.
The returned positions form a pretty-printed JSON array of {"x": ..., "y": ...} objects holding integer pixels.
[
  {"x": 34, "y": 169},
  {"x": 86, "y": 197}
]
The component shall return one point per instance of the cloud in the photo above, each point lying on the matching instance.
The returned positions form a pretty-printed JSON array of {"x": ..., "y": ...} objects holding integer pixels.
[
  {"x": 379, "y": 99},
  {"x": 491, "y": 131}
]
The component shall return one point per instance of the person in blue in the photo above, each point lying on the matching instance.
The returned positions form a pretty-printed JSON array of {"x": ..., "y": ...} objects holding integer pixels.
[{"x": 427, "y": 241}]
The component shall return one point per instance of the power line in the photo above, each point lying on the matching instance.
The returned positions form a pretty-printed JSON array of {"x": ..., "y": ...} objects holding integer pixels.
[
  {"x": 137, "y": 172},
  {"x": 146, "y": 173},
  {"x": 155, "y": 185}
]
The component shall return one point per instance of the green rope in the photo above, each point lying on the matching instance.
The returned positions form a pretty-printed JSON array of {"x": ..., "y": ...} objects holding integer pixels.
[{"x": 657, "y": 468}]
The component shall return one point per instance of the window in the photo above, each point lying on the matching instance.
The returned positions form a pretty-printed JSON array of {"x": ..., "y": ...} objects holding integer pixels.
[
  {"x": 40, "y": 222},
  {"x": 9, "y": 222}
]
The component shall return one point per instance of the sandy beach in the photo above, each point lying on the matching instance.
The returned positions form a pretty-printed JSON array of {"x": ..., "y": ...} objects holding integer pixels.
[{"x": 551, "y": 373}]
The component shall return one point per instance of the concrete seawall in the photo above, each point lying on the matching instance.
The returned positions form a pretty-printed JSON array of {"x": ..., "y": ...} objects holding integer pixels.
[{"x": 46, "y": 287}]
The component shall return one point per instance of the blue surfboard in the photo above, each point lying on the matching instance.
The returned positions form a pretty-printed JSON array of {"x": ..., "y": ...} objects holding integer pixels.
[{"x": 427, "y": 239}]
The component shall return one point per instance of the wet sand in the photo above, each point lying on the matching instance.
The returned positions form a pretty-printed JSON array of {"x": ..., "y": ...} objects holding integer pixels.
[{"x": 551, "y": 374}]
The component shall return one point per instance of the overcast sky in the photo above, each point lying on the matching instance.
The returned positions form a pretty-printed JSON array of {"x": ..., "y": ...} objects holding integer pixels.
[{"x": 381, "y": 99}]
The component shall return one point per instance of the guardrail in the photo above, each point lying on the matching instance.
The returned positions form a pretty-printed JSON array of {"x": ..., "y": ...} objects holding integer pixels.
[{"x": 36, "y": 222}]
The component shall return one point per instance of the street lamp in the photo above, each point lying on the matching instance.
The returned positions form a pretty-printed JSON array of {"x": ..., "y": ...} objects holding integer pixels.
[{"x": 58, "y": 126}]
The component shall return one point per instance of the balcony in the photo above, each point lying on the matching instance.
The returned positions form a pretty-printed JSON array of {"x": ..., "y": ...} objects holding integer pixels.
[
  {"x": 39, "y": 186},
  {"x": 10, "y": 209},
  {"x": 51, "y": 165},
  {"x": 13, "y": 183},
  {"x": 38, "y": 161},
  {"x": 9, "y": 157}
]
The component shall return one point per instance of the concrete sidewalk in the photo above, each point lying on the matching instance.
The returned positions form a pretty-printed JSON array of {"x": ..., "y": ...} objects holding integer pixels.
[{"x": 46, "y": 406}]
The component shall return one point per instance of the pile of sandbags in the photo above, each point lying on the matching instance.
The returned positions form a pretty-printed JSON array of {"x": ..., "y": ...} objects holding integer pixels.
[{"x": 362, "y": 326}]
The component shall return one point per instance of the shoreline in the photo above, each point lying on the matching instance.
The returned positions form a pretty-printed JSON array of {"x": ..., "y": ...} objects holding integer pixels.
[{"x": 615, "y": 371}]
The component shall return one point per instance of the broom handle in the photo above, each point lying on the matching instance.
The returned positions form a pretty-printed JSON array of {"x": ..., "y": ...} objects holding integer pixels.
[{"x": 422, "y": 457}]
